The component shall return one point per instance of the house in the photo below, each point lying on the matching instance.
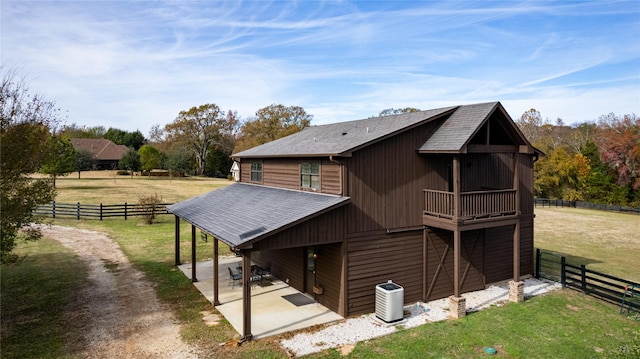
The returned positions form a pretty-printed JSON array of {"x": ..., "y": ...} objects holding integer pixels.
[
  {"x": 106, "y": 153},
  {"x": 439, "y": 201},
  {"x": 235, "y": 171}
]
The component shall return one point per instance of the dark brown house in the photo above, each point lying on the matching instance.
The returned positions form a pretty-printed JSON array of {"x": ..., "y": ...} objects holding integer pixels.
[
  {"x": 438, "y": 201},
  {"x": 106, "y": 153}
]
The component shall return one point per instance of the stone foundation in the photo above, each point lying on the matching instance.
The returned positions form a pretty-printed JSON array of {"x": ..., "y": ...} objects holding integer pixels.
[
  {"x": 516, "y": 291},
  {"x": 457, "y": 307}
]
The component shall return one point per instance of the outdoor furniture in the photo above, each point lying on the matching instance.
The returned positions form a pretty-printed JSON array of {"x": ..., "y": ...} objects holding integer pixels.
[{"x": 234, "y": 278}]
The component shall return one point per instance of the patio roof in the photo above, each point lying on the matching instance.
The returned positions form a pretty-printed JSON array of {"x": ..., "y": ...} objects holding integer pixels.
[{"x": 242, "y": 214}]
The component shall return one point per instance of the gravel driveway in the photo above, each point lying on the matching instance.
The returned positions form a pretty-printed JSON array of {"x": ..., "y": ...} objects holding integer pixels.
[{"x": 119, "y": 309}]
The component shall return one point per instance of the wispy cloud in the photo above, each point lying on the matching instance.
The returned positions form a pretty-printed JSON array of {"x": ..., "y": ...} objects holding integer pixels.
[{"x": 133, "y": 64}]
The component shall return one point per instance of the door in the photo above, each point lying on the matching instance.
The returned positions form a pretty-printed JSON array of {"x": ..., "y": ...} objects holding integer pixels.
[
  {"x": 310, "y": 269},
  {"x": 439, "y": 269}
]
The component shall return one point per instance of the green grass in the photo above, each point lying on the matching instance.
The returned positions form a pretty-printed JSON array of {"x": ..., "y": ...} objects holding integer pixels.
[
  {"x": 560, "y": 325},
  {"x": 608, "y": 242},
  {"x": 37, "y": 299}
]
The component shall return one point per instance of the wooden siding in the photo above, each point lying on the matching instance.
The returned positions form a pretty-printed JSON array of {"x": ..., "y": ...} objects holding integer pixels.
[
  {"x": 285, "y": 264},
  {"x": 377, "y": 257},
  {"x": 329, "y": 275},
  {"x": 385, "y": 182},
  {"x": 439, "y": 267},
  {"x": 326, "y": 228},
  {"x": 499, "y": 251},
  {"x": 285, "y": 173}
]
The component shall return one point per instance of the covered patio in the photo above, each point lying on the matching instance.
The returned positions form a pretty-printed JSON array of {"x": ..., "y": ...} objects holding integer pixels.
[
  {"x": 247, "y": 218},
  {"x": 271, "y": 312}
]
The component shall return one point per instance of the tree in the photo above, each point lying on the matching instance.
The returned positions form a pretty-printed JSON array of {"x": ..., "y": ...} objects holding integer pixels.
[
  {"x": 530, "y": 124},
  {"x": 272, "y": 122},
  {"x": 200, "y": 129},
  {"x": 150, "y": 158},
  {"x": 62, "y": 158},
  {"x": 618, "y": 140},
  {"x": 178, "y": 161},
  {"x": 130, "y": 161},
  {"x": 75, "y": 131},
  {"x": 84, "y": 161},
  {"x": 26, "y": 123},
  {"x": 122, "y": 137},
  {"x": 397, "y": 111}
]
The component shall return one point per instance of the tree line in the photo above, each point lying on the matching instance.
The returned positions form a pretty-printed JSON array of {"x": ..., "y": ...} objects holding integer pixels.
[{"x": 597, "y": 161}]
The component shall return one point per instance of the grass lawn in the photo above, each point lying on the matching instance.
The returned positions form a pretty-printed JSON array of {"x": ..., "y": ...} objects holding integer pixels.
[
  {"x": 106, "y": 187},
  {"x": 37, "y": 299},
  {"x": 608, "y": 242}
]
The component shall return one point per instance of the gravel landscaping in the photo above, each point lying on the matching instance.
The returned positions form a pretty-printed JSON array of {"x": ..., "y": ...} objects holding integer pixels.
[{"x": 367, "y": 326}]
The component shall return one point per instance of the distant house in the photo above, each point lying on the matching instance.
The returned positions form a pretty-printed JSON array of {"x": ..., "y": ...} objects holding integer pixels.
[
  {"x": 439, "y": 201},
  {"x": 235, "y": 171},
  {"x": 106, "y": 153}
]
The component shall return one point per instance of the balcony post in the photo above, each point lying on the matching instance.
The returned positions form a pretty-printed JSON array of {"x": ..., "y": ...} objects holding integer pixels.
[{"x": 456, "y": 187}]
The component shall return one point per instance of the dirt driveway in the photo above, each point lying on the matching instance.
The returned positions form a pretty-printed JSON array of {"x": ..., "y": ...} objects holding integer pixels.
[{"x": 119, "y": 309}]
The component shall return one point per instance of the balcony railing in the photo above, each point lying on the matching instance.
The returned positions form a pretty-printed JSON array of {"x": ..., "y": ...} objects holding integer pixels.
[{"x": 472, "y": 204}]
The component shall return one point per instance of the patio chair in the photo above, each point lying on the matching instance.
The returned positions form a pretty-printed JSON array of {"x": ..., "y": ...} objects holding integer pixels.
[{"x": 234, "y": 278}]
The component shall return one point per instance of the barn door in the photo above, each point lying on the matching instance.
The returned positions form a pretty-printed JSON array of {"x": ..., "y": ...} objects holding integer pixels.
[{"x": 439, "y": 268}]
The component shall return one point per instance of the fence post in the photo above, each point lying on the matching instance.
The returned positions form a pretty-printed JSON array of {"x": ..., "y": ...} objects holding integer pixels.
[
  {"x": 538, "y": 255},
  {"x": 78, "y": 211},
  {"x": 125, "y": 211},
  {"x": 53, "y": 209},
  {"x": 563, "y": 274},
  {"x": 101, "y": 211},
  {"x": 583, "y": 278}
]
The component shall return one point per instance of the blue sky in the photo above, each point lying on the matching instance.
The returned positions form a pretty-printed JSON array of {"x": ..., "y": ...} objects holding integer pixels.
[{"x": 133, "y": 64}]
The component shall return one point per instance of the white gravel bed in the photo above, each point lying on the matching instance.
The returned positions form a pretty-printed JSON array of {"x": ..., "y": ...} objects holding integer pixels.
[{"x": 367, "y": 326}]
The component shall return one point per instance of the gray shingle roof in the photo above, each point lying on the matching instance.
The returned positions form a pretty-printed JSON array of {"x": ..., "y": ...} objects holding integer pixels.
[
  {"x": 454, "y": 133},
  {"x": 340, "y": 138},
  {"x": 241, "y": 213}
]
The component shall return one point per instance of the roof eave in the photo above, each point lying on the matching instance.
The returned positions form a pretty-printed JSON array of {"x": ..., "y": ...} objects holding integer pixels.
[{"x": 249, "y": 244}]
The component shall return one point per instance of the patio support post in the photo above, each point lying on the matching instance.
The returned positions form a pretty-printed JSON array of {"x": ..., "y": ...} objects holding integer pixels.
[
  {"x": 246, "y": 296},
  {"x": 177, "y": 227},
  {"x": 216, "y": 300},
  {"x": 193, "y": 254}
]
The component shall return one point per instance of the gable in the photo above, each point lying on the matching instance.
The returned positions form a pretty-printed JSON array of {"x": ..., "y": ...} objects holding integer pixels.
[{"x": 477, "y": 128}]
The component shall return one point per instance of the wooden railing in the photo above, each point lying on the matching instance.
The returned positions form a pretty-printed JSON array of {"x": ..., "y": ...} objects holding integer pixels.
[{"x": 472, "y": 204}]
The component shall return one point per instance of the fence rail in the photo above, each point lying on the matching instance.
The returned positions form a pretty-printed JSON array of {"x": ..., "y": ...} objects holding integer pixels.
[
  {"x": 600, "y": 285},
  {"x": 546, "y": 202},
  {"x": 100, "y": 211}
]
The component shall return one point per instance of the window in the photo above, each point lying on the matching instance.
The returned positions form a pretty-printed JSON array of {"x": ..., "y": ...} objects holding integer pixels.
[
  {"x": 310, "y": 175},
  {"x": 256, "y": 171}
]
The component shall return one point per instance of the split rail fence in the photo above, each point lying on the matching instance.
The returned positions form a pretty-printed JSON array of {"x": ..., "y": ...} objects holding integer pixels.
[
  {"x": 576, "y": 276},
  {"x": 99, "y": 211}
]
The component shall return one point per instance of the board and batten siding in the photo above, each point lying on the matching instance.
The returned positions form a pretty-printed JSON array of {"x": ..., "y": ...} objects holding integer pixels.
[
  {"x": 386, "y": 181},
  {"x": 285, "y": 173},
  {"x": 377, "y": 257}
]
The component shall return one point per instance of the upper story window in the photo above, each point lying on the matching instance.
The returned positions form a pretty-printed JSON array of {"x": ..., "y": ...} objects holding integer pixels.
[
  {"x": 256, "y": 171},
  {"x": 310, "y": 175}
]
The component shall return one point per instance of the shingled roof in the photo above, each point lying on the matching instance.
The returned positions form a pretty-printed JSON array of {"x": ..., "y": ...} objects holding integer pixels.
[
  {"x": 242, "y": 213},
  {"x": 456, "y": 131},
  {"x": 340, "y": 139},
  {"x": 100, "y": 148}
]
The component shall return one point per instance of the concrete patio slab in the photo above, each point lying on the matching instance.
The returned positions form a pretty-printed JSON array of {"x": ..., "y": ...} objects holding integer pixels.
[{"x": 271, "y": 314}]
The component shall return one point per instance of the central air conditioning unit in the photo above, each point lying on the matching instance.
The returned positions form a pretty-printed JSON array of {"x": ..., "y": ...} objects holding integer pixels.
[{"x": 389, "y": 302}]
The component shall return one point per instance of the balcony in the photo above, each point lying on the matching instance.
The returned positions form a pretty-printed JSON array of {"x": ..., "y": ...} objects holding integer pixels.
[{"x": 440, "y": 206}]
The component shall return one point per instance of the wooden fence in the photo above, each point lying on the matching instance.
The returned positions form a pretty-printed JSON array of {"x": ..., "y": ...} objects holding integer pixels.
[
  {"x": 577, "y": 276},
  {"x": 546, "y": 202},
  {"x": 100, "y": 211}
]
